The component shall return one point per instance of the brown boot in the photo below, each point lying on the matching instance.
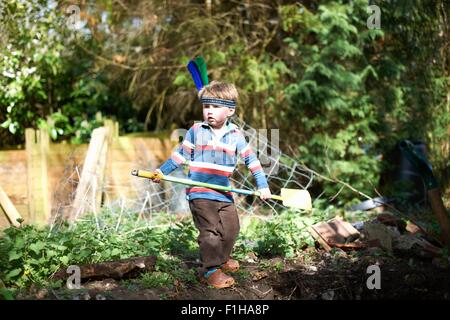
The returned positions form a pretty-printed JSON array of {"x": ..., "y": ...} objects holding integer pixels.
[
  {"x": 218, "y": 280},
  {"x": 230, "y": 266}
]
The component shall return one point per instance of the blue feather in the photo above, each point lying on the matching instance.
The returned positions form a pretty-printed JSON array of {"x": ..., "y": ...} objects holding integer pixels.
[{"x": 195, "y": 73}]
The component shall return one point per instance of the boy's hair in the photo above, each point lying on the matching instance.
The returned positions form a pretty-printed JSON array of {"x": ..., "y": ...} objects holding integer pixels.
[{"x": 219, "y": 90}]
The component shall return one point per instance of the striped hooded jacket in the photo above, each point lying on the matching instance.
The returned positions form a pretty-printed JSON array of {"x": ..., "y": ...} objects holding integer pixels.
[{"x": 213, "y": 161}]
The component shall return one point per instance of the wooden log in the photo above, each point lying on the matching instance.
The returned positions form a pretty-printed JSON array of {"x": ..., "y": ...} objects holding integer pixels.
[
  {"x": 120, "y": 269},
  {"x": 9, "y": 208}
]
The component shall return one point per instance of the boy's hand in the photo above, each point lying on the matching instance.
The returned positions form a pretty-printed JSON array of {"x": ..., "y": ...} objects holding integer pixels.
[
  {"x": 159, "y": 172},
  {"x": 264, "y": 193}
]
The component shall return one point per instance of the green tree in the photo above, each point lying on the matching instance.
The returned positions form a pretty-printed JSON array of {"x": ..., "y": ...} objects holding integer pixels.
[
  {"x": 30, "y": 57},
  {"x": 48, "y": 79},
  {"x": 412, "y": 93},
  {"x": 329, "y": 101}
]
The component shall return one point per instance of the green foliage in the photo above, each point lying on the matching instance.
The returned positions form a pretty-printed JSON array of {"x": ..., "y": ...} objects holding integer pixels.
[
  {"x": 413, "y": 62},
  {"x": 285, "y": 234},
  {"x": 328, "y": 95},
  {"x": 182, "y": 239},
  {"x": 355, "y": 92},
  {"x": 29, "y": 58},
  {"x": 342, "y": 95},
  {"x": 47, "y": 80},
  {"x": 168, "y": 271},
  {"x": 6, "y": 294},
  {"x": 30, "y": 254}
]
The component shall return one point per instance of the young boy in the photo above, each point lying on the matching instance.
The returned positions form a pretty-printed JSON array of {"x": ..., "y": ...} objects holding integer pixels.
[{"x": 211, "y": 149}]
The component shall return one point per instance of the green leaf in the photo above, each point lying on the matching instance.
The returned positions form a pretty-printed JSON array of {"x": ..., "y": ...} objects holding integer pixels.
[
  {"x": 13, "y": 273},
  {"x": 180, "y": 80},
  {"x": 37, "y": 246},
  {"x": 32, "y": 261},
  {"x": 106, "y": 253},
  {"x": 51, "y": 253},
  {"x": 84, "y": 254},
  {"x": 53, "y": 134},
  {"x": 20, "y": 243},
  {"x": 14, "y": 255},
  {"x": 6, "y": 123},
  {"x": 12, "y": 128},
  {"x": 64, "y": 260},
  {"x": 60, "y": 247},
  {"x": 6, "y": 294}
]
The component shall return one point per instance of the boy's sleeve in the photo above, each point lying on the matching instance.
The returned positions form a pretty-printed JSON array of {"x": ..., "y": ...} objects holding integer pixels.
[
  {"x": 251, "y": 161},
  {"x": 181, "y": 154}
]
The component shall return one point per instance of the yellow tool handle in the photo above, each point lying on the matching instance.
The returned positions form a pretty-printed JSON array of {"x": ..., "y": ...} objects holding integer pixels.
[
  {"x": 156, "y": 175},
  {"x": 273, "y": 196},
  {"x": 147, "y": 174}
]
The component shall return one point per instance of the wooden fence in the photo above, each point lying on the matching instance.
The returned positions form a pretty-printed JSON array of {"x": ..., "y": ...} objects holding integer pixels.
[{"x": 34, "y": 179}]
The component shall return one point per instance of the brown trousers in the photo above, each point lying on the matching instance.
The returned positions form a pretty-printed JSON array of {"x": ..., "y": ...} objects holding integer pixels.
[{"x": 218, "y": 223}]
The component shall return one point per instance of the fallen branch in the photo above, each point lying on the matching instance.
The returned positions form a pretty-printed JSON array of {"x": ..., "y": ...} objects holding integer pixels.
[{"x": 120, "y": 269}]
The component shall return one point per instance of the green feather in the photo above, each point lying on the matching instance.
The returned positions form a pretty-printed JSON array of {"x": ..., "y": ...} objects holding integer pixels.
[{"x": 201, "y": 65}]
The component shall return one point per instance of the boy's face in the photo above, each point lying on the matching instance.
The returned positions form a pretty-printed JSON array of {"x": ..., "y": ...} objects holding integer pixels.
[{"x": 215, "y": 115}]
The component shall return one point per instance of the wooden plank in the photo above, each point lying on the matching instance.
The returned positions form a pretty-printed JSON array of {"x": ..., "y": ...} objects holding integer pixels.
[
  {"x": 328, "y": 233},
  {"x": 113, "y": 127},
  {"x": 440, "y": 212},
  {"x": 100, "y": 181},
  {"x": 344, "y": 228},
  {"x": 128, "y": 153},
  {"x": 335, "y": 231},
  {"x": 32, "y": 176},
  {"x": 319, "y": 239},
  {"x": 9, "y": 208},
  {"x": 90, "y": 172},
  {"x": 30, "y": 141},
  {"x": 13, "y": 177},
  {"x": 42, "y": 216},
  {"x": 4, "y": 221},
  {"x": 109, "y": 173},
  {"x": 39, "y": 202}
]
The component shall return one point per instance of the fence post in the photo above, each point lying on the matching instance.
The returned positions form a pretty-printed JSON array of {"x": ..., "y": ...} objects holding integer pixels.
[
  {"x": 113, "y": 127},
  {"x": 37, "y": 147},
  {"x": 112, "y": 132},
  {"x": 92, "y": 175}
]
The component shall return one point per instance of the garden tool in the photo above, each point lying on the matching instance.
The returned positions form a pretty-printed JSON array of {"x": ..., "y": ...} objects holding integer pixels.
[
  {"x": 293, "y": 198},
  {"x": 437, "y": 206}
]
